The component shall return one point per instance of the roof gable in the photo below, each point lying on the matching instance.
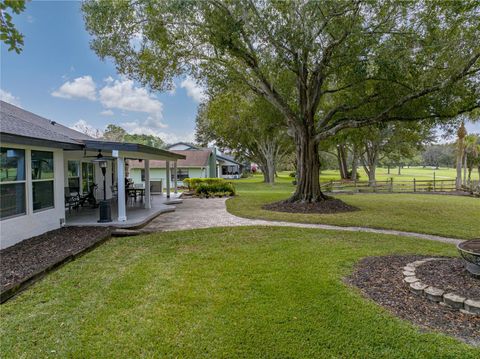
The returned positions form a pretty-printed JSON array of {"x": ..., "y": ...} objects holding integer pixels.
[{"x": 17, "y": 121}]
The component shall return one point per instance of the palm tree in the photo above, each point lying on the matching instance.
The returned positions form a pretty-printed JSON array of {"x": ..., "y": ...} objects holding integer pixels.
[
  {"x": 471, "y": 153},
  {"x": 461, "y": 133}
]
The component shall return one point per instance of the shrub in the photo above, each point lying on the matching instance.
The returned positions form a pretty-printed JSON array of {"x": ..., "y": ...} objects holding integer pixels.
[
  {"x": 292, "y": 174},
  {"x": 218, "y": 189},
  {"x": 193, "y": 183}
]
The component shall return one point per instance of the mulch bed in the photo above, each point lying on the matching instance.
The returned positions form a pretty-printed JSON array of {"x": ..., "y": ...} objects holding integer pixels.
[
  {"x": 451, "y": 276},
  {"x": 381, "y": 279},
  {"x": 331, "y": 205},
  {"x": 30, "y": 257}
]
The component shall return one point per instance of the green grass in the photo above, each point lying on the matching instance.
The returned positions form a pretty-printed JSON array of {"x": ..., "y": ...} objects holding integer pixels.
[
  {"x": 407, "y": 174},
  {"x": 226, "y": 292},
  {"x": 450, "y": 216}
]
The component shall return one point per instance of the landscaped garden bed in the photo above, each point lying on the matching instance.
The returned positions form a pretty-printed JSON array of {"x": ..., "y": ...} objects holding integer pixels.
[
  {"x": 30, "y": 259},
  {"x": 331, "y": 205},
  {"x": 382, "y": 279}
]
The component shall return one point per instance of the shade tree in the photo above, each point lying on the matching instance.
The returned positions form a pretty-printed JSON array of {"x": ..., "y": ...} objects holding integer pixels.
[{"x": 349, "y": 64}]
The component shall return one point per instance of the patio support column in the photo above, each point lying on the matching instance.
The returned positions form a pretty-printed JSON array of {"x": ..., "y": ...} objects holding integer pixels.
[
  {"x": 175, "y": 189},
  {"x": 147, "y": 202},
  {"x": 168, "y": 178},
  {"x": 121, "y": 203}
]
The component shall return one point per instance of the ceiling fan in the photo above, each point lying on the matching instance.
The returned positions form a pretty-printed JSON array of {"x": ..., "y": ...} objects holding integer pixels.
[{"x": 99, "y": 156}]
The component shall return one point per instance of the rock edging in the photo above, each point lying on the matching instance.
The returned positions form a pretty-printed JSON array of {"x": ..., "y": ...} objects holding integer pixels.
[{"x": 438, "y": 295}]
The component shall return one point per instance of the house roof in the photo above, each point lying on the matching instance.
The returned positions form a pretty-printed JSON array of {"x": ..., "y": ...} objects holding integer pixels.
[
  {"x": 23, "y": 127},
  {"x": 15, "y": 121},
  {"x": 187, "y": 144},
  {"x": 227, "y": 158},
  {"x": 193, "y": 158}
]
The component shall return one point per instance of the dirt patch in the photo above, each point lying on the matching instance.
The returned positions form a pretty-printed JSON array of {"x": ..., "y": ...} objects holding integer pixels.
[
  {"x": 331, "y": 205},
  {"x": 451, "y": 276},
  {"x": 381, "y": 279},
  {"x": 29, "y": 257}
]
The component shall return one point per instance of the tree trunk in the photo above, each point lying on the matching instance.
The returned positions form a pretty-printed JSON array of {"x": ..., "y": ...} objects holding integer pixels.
[
  {"x": 308, "y": 162},
  {"x": 354, "y": 164},
  {"x": 461, "y": 133},
  {"x": 399, "y": 169},
  {"x": 465, "y": 168},
  {"x": 342, "y": 162},
  {"x": 271, "y": 170}
]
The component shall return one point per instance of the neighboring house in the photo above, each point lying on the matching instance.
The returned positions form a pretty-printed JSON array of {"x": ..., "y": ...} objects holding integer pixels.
[
  {"x": 41, "y": 160},
  {"x": 198, "y": 163}
]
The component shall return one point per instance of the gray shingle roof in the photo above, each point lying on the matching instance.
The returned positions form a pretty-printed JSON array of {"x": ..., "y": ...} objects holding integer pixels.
[{"x": 17, "y": 121}]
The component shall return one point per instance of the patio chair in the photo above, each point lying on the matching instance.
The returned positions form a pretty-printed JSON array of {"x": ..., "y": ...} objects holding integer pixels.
[
  {"x": 72, "y": 199},
  {"x": 114, "y": 190}
]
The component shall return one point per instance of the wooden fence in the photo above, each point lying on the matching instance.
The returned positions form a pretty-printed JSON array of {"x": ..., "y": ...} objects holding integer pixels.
[{"x": 389, "y": 186}]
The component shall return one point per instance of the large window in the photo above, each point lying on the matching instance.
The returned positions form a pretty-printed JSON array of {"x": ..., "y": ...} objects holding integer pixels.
[
  {"x": 73, "y": 168},
  {"x": 88, "y": 176},
  {"x": 12, "y": 182},
  {"x": 182, "y": 173},
  {"x": 42, "y": 180}
]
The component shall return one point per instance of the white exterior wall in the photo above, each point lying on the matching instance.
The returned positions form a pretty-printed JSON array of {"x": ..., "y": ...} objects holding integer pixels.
[
  {"x": 16, "y": 229},
  {"x": 78, "y": 156},
  {"x": 160, "y": 174}
]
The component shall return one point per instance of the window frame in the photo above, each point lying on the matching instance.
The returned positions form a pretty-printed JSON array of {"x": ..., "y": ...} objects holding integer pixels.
[
  {"x": 24, "y": 182},
  {"x": 43, "y": 180}
]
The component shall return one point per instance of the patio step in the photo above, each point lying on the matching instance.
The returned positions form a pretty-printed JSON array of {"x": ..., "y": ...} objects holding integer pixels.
[{"x": 124, "y": 232}]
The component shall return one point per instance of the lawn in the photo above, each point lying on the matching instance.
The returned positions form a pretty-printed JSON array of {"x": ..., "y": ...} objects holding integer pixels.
[
  {"x": 450, "y": 216},
  {"x": 407, "y": 174},
  {"x": 226, "y": 292}
]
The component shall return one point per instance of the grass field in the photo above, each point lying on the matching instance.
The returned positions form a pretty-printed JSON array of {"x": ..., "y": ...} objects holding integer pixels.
[
  {"x": 451, "y": 216},
  {"x": 227, "y": 292},
  {"x": 407, "y": 174}
]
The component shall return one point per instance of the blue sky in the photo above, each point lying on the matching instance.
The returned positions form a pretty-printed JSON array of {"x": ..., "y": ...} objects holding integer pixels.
[{"x": 57, "y": 76}]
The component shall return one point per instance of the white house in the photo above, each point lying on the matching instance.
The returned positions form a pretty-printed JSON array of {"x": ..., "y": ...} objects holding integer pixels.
[
  {"x": 41, "y": 160},
  {"x": 198, "y": 163}
]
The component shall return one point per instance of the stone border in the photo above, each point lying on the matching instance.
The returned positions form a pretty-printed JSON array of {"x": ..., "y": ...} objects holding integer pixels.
[{"x": 438, "y": 295}]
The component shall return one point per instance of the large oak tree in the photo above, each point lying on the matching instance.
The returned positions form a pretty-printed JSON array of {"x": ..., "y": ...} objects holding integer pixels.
[{"x": 349, "y": 63}]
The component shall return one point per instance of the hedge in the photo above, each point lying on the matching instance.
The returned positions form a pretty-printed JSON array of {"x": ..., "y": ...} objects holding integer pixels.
[{"x": 192, "y": 183}]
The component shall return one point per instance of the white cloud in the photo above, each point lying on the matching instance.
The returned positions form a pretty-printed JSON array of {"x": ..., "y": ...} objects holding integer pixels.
[
  {"x": 84, "y": 127},
  {"x": 8, "y": 97},
  {"x": 193, "y": 89},
  {"x": 136, "y": 127},
  {"x": 123, "y": 95},
  {"x": 82, "y": 87},
  {"x": 106, "y": 113}
]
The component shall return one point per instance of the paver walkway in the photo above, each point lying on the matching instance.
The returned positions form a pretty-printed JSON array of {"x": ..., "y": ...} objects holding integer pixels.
[{"x": 206, "y": 213}]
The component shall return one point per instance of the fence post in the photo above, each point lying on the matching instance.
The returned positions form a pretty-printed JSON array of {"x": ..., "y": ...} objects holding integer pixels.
[
  {"x": 391, "y": 184},
  {"x": 355, "y": 184},
  {"x": 434, "y": 186},
  {"x": 414, "y": 185}
]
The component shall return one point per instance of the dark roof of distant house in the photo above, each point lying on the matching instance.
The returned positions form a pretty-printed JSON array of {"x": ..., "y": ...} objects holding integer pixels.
[
  {"x": 191, "y": 145},
  {"x": 19, "y": 122},
  {"x": 194, "y": 158},
  {"x": 229, "y": 158}
]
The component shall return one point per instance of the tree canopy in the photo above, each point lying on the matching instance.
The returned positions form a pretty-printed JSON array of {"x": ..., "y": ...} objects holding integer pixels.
[
  {"x": 325, "y": 66},
  {"x": 9, "y": 33}
]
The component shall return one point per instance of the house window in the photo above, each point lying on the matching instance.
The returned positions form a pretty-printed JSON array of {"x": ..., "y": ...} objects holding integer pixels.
[
  {"x": 42, "y": 180},
  {"x": 12, "y": 182},
  {"x": 142, "y": 175},
  {"x": 182, "y": 173},
  {"x": 73, "y": 169},
  {"x": 88, "y": 176}
]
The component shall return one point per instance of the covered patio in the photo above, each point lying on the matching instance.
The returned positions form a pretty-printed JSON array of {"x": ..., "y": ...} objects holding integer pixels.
[
  {"x": 101, "y": 170},
  {"x": 138, "y": 215}
]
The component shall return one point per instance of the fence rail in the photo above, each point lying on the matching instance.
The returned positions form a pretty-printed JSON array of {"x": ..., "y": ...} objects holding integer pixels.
[{"x": 389, "y": 186}]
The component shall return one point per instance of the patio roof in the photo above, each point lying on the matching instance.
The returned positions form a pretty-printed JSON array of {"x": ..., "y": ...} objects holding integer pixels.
[{"x": 133, "y": 150}]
